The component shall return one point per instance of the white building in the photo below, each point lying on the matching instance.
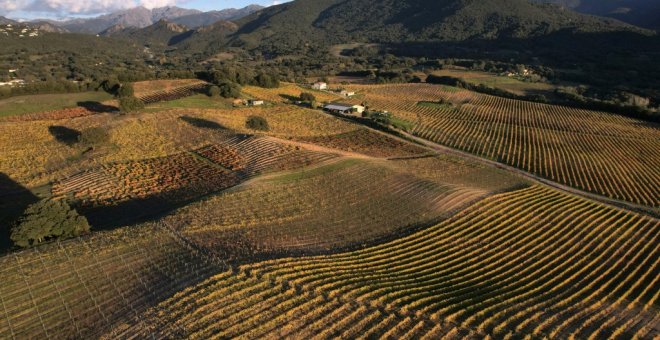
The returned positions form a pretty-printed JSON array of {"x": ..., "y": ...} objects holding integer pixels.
[
  {"x": 345, "y": 109},
  {"x": 320, "y": 86},
  {"x": 253, "y": 102},
  {"x": 347, "y": 94}
]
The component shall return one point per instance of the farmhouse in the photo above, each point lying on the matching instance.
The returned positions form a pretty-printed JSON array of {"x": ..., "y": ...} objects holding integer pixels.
[
  {"x": 347, "y": 94},
  {"x": 345, "y": 109},
  {"x": 254, "y": 102},
  {"x": 320, "y": 86}
]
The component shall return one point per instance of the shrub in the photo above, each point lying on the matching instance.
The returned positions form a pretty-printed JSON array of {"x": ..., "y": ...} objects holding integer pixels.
[
  {"x": 129, "y": 104},
  {"x": 307, "y": 97},
  {"x": 257, "y": 123},
  {"x": 214, "y": 91},
  {"x": 230, "y": 90},
  {"x": 267, "y": 81},
  {"x": 48, "y": 220},
  {"x": 94, "y": 136},
  {"x": 125, "y": 91}
]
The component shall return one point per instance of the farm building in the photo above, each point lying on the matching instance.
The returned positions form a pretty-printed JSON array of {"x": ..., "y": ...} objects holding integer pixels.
[
  {"x": 347, "y": 94},
  {"x": 345, "y": 109},
  {"x": 320, "y": 86},
  {"x": 253, "y": 102}
]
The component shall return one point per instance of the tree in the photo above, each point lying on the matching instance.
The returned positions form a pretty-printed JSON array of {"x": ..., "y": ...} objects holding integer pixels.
[
  {"x": 48, "y": 220},
  {"x": 230, "y": 90},
  {"x": 130, "y": 104},
  {"x": 94, "y": 136},
  {"x": 267, "y": 81},
  {"x": 307, "y": 97},
  {"x": 126, "y": 90},
  {"x": 214, "y": 91},
  {"x": 257, "y": 123}
]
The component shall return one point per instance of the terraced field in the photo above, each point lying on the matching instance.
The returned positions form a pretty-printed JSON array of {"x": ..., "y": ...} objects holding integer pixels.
[
  {"x": 532, "y": 262},
  {"x": 603, "y": 153}
]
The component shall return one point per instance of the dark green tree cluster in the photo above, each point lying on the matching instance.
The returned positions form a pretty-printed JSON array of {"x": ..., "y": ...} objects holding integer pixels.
[
  {"x": 48, "y": 220},
  {"x": 257, "y": 123}
]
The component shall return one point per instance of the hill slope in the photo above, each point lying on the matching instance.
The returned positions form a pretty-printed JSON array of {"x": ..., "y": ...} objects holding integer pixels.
[
  {"x": 390, "y": 21},
  {"x": 643, "y": 13}
]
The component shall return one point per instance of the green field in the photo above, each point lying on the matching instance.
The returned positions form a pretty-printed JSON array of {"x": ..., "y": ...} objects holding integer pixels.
[
  {"x": 510, "y": 84},
  {"x": 48, "y": 102}
]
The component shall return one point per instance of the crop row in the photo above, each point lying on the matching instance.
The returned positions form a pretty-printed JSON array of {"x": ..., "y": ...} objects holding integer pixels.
[
  {"x": 339, "y": 205},
  {"x": 597, "y": 152},
  {"x": 533, "y": 262},
  {"x": 84, "y": 287},
  {"x": 173, "y": 94}
]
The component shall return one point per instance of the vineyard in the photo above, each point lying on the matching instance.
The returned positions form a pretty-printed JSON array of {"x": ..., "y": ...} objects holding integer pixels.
[
  {"x": 159, "y": 184},
  {"x": 81, "y": 288},
  {"x": 597, "y": 152},
  {"x": 367, "y": 142},
  {"x": 532, "y": 262},
  {"x": 173, "y": 94},
  {"x": 338, "y": 205}
]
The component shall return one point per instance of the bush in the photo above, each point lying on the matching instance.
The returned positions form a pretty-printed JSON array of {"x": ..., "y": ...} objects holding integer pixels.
[
  {"x": 214, "y": 91},
  {"x": 94, "y": 136},
  {"x": 129, "y": 104},
  {"x": 307, "y": 97},
  {"x": 125, "y": 91},
  {"x": 267, "y": 81},
  {"x": 257, "y": 123},
  {"x": 230, "y": 90},
  {"x": 48, "y": 220}
]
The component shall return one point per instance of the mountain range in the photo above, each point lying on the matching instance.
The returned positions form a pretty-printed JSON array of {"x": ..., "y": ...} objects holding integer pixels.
[
  {"x": 141, "y": 17},
  {"x": 643, "y": 13},
  {"x": 7, "y": 21}
]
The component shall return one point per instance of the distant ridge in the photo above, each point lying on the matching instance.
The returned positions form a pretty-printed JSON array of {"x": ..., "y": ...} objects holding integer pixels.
[
  {"x": 643, "y": 13},
  {"x": 141, "y": 17}
]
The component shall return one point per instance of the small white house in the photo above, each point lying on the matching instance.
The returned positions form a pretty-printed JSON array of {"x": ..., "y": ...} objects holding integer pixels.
[
  {"x": 320, "y": 86},
  {"x": 347, "y": 94},
  {"x": 253, "y": 102}
]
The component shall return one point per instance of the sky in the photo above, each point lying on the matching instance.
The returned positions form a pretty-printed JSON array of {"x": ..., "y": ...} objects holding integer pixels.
[{"x": 60, "y": 9}]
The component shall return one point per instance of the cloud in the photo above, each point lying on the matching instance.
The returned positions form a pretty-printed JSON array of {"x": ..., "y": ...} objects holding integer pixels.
[{"x": 78, "y": 7}]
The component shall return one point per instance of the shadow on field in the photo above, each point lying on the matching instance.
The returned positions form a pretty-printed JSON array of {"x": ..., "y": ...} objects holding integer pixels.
[
  {"x": 64, "y": 134},
  {"x": 290, "y": 98},
  {"x": 14, "y": 199},
  {"x": 97, "y": 107},
  {"x": 202, "y": 123}
]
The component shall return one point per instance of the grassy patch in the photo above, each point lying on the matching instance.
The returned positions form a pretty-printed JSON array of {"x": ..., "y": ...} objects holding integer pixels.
[
  {"x": 402, "y": 124},
  {"x": 303, "y": 174},
  {"x": 48, "y": 102},
  {"x": 199, "y": 101}
]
